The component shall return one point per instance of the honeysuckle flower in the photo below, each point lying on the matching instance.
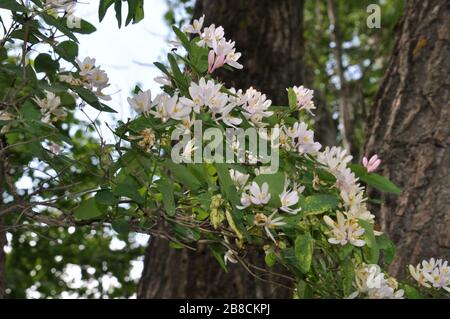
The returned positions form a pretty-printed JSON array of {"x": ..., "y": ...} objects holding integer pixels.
[
  {"x": 70, "y": 79},
  {"x": 290, "y": 197},
  {"x": 163, "y": 80},
  {"x": 160, "y": 110},
  {"x": 372, "y": 283},
  {"x": 50, "y": 102},
  {"x": 215, "y": 62},
  {"x": 97, "y": 77},
  {"x": 141, "y": 102},
  {"x": 239, "y": 179},
  {"x": 211, "y": 36},
  {"x": 201, "y": 93},
  {"x": 303, "y": 139},
  {"x": 268, "y": 222},
  {"x": 50, "y": 107},
  {"x": 255, "y": 106},
  {"x": 432, "y": 273},
  {"x": 176, "y": 110},
  {"x": 86, "y": 66},
  {"x": 218, "y": 102},
  {"x": 146, "y": 137},
  {"x": 259, "y": 195},
  {"x": 230, "y": 256},
  {"x": 227, "y": 118},
  {"x": 344, "y": 231},
  {"x": 304, "y": 99},
  {"x": 186, "y": 124},
  {"x": 196, "y": 26},
  {"x": 188, "y": 149},
  {"x": 372, "y": 164},
  {"x": 335, "y": 158}
]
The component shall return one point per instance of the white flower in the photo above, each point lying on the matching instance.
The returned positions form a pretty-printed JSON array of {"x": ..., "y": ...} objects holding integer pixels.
[
  {"x": 304, "y": 98},
  {"x": 239, "y": 179},
  {"x": 258, "y": 195},
  {"x": 176, "y": 110},
  {"x": 86, "y": 66},
  {"x": 372, "y": 284},
  {"x": 255, "y": 106},
  {"x": 227, "y": 118},
  {"x": 303, "y": 139},
  {"x": 141, "y": 102},
  {"x": 188, "y": 149},
  {"x": 202, "y": 94},
  {"x": 196, "y": 26},
  {"x": 230, "y": 256},
  {"x": 334, "y": 158},
  {"x": 432, "y": 273},
  {"x": 50, "y": 107},
  {"x": 289, "y": 198},
  {"x": 268, "y": 222},
  {"x": 163, "y": 80},
  {"x": 211, "y": 36},
  {"x": 160, "y": 110},
  {"x": 344, "y": 231},
  {"x": 50, "y": 102}
]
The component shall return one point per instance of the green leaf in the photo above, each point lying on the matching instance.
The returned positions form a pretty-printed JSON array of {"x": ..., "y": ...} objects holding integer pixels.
[
  {"x": 91, "y": 99},
  {"x": 304, "y": 249},
  {"x": 388, "y": 248},
  {"x": 166, "y": 189},
  {"x": 103, "y": 8},
  {"x": 68, "y": 50},
  {"x": 270, "y": 259},
  {"x": 45, "y": 63},
  {"x": 118, "y": 9},
  {"x": 57, "y": 23},
  {"x": 228, "y": 188},
  {"x": 182, "y": 175},
  {"x": 218, "y": 252},
  {"x": 371, "y": 250},
  {"x": 177, "y": 74},
  {"x": 129, "y": 188},
  {"x": 88, "y": 210},
  {"x": 292, "y": 98},
  {"x": 106, "y": 197},
  {"x": 316, "y": 204},
  {"x": 348, "y": 272},
  {"x": 379, "y": 182},
  {"x": 411, "y": 292},
  {"x": 85, "y": 28},
  {"x": 183, "y": 38},
  {"x": 13, "y": 6}
]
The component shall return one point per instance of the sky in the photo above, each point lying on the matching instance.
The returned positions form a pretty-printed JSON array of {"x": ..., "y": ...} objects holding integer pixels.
[{"x": 126, "y": 54}]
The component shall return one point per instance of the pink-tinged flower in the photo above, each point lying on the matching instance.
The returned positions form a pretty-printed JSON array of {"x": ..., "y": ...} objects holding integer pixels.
[
  {"x": 371, "y": 164},
  {"x": 215, "y": 62}
]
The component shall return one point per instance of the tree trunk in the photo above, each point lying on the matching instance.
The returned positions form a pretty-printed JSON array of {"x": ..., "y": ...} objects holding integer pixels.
[
  {"x": 409, "y": 128},
  {"x": 270, "y": 36}
]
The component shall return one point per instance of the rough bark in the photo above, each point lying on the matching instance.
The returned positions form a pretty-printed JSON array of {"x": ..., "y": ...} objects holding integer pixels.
[
  {"x": 270, "y": 36},
  {"x": 409, "y": 128}
]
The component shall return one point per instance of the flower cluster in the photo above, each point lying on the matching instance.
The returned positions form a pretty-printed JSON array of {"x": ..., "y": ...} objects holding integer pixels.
[
  {"x": 432, "y": 273},
  {"x": 66, "y": 8},
  {"x": 371, "y": 283},
  {"x": 93, "y": 77},
  {"x": 222, "y": 51},
  {"x": 346, "y": 229},
  {"x": 304, "y": 99},
  {"x": 50, "y": 108}
]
